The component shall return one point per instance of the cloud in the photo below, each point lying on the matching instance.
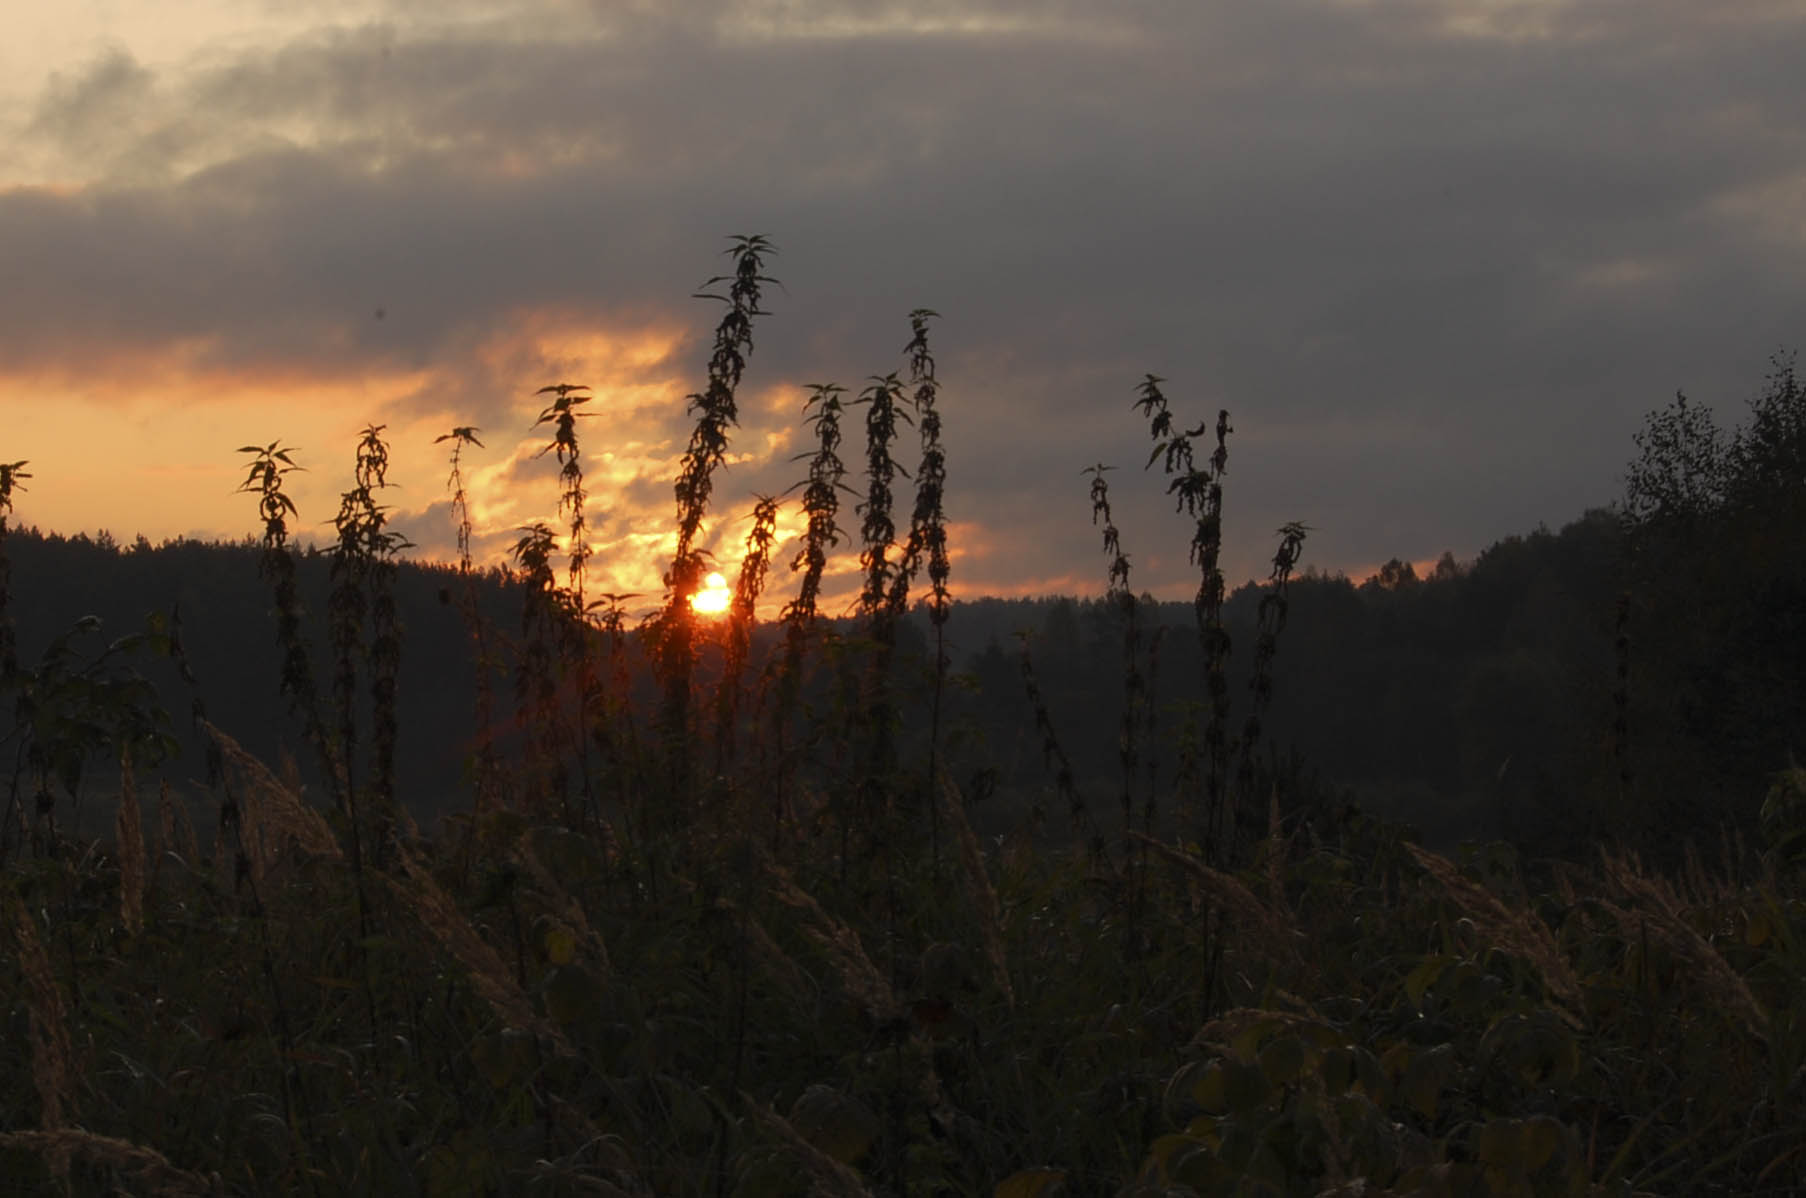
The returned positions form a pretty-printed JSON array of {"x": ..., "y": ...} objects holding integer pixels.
[{"x": 1437, "y": 259}]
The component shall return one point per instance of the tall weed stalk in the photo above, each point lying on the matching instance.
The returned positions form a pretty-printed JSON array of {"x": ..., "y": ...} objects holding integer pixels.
[
  {"x": 1054, "y": 756},
  {"x": 1121, "y": 597},
  {"x": 755, "y": 563},
  {"x": 270, "y": 464},
  {"x": 475, "y": 627},
  {"x": 11, "y": 476},
  {"x": 1271, "y": 621},
  {"x": 562, "y": 414},
  {"x": 542, "y": 617},
  {"x": 363, "y": 588},
  {"x": 821, "y": 532},
  {"x": 715, "y": 411},
  {"x": 1198, "y": 492},
  {"x": 928, "y": 542},
  {"x": 882, "y": 401}
]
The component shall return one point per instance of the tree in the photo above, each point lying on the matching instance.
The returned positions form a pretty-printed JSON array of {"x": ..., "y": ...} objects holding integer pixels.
[
  {"x": 1717, "y": 626},
  {"x": 1680, "y": 471},
  {"x": 1396, "y": 575}
]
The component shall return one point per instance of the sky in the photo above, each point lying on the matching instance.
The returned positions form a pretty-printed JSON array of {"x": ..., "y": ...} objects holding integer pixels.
[{"x": 1438, "y": 258}]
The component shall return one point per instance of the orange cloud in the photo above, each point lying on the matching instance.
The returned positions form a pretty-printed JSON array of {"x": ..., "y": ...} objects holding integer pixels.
[{"x": 143, "y": 440}]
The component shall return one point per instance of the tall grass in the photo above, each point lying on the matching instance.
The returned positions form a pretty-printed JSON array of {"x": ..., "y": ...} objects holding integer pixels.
[{"x": 686, "y": 984}]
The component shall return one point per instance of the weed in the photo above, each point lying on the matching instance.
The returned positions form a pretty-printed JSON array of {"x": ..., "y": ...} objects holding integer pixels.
[
  {"x": 715, "y": 411},
  {"x": 53, "y": 1064},
  {"x": 545, "y": 1005},
  {"x": 928, "y": 537},
  {"x": 821, "y": 507},
  {"x": 542, "y": 617},
  {"x": 1274, "y": 604},
  {"x": 264, "y": 478},
  {"x": 1198, "y": 493},
  {"x": 882, "y": 400},
  {"x": 362, "y": 580},
  {"x": 754, "y": 565},
  {"x": 561, "y": 413},
  {"x": 128, "y": 837},
  {"x": 12, "y": 475},
  {"x": 1118, "y": 595},
  {"x": 1078, "y": 811},
  {"x": 475, "y": 626}
]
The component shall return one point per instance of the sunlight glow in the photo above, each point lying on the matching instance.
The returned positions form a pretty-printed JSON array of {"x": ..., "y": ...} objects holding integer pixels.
[{"x": 714, "y": 598}]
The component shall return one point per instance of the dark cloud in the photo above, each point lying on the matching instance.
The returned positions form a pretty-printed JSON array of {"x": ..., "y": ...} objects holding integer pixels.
[{"x": 1436, "y": 258}]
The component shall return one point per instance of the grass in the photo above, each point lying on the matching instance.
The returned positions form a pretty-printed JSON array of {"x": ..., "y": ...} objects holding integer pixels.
[{"x": 763, "y": 952}]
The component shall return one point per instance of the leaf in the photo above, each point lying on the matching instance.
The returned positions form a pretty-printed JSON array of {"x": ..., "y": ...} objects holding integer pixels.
[
  {"x": 833, "y": 1123},
  {"x": 569, "y": 857},
  {"x": 1337, "y": 1070},
  {"x": 1245, "y": 1087},
  {"x": 1032, "y": 1183},
  {"x": 1501, "y": 1144},
  {"x": 1284, "y": 1060},
  {"x": 1210, "y": 1090},
  {"x": 1167, "y": 1151},
  {"x": 560, "y": 944},
  {"x": 1542, "y": 1138},
  {"x": 1419, "y": 980},
  {"x": 572, "y": 993},
  {"x": 505, "y": 1057},
  {"x": 1426, "y": 1076},
  {"x": 1181, "y": 1102}
]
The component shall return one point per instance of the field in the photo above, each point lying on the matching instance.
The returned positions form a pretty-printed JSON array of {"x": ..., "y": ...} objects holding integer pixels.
[{"x": 715, "y": 919}]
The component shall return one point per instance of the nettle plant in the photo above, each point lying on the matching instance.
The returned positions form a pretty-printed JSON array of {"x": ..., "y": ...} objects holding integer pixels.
[{"x": 731, "y": 962}]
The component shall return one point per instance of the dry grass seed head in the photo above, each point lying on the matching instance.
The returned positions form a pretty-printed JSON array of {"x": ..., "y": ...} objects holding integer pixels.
[
  {"x": 1273, "y": 923},
  {"x": 489, "y": 976},
  {"x": 1518, "y": 932},
  {"x": 182, "y": 831},
  {"x": 151, "y": 1169},
  {"x": 563, "y": 904},
  {"x": 128, "y": 836},
  {"x": 828, "y": 1178},
  {"x": 1656, "y": 911},
  {"x": 166, "y": 829},
  {"x": 271, "y": 810},
  {"x": 1229, "y": 1027},
  {"x": 794, "y": 980},
  {"x": 52, "y": 1059},
  {"x": 863, "y": 982},
  {"x": 1276, "y": 851},
  {"x": 978, "y": 886}
]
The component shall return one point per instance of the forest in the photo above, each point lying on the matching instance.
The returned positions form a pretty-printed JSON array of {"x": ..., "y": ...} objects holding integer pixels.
[{"x": 331, "y": 872}]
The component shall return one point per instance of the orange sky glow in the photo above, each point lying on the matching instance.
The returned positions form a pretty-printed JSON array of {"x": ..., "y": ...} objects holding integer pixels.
[
  {"x": 1438, "y": 286},
  {"x": 145, "y": 443}
]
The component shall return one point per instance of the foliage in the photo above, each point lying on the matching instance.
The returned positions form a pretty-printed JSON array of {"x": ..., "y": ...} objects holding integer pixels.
[
  {"x": 1716, "y": 578},
  {"x": 660, "y": 990}
]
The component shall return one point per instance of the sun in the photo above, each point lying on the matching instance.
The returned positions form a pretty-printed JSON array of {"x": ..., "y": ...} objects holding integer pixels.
[{"x": 712, "y": 599}]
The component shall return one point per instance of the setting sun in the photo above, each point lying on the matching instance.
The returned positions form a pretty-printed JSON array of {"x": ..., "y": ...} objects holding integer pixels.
[{"x": 714, "y": 598}]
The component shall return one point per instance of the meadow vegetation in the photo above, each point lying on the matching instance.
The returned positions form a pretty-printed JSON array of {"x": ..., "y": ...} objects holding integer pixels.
[{"x": 719, "y": 913}]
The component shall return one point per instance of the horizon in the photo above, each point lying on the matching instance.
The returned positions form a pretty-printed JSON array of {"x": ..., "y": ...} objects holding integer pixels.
[
  {"x": 1438, "y": 261},
  {"x": 304, "y": 546}
]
